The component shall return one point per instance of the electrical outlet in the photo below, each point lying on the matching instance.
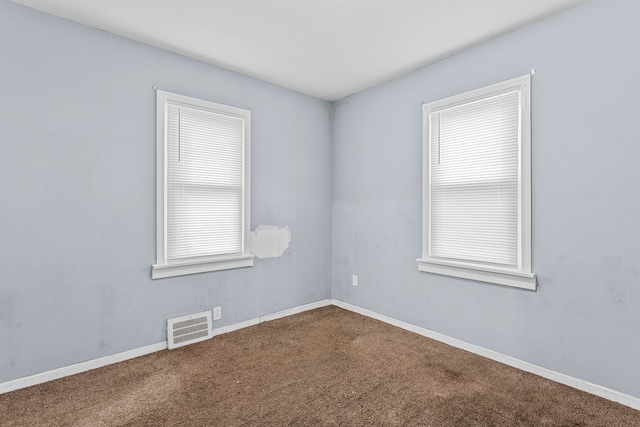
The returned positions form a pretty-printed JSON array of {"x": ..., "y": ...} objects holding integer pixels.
[
  {"x": 354, "y": 280},
  {"x": 217, "y": 313}
]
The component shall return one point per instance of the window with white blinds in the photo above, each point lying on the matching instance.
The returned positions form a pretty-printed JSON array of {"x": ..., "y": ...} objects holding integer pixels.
[
  {"x": 477, "y": 217},
  {"x": 203, "y": 183}
]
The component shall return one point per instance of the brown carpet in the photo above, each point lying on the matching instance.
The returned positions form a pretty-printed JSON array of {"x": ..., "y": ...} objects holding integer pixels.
[{"x": 323, "y": 367}]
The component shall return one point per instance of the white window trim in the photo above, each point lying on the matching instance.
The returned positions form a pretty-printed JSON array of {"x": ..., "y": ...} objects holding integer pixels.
[
  {"x": 522, "y": 277},
  {"x": 162, "y": 268}
]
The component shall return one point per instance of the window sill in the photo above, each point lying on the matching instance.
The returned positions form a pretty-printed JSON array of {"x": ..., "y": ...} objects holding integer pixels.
[
  {"x": 499, "y": 277},
  {"x": 160, "y": 271}
]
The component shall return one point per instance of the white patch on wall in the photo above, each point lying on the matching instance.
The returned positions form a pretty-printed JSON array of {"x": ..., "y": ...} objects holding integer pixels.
[{"x": 269, "y": 241}]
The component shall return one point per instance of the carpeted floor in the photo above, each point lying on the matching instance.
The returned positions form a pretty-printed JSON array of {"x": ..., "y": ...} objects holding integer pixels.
[{"x": 326, "y": 367}]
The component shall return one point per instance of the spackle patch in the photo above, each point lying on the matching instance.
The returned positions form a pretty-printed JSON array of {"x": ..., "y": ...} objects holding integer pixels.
[{"x": 270, "y": 241}]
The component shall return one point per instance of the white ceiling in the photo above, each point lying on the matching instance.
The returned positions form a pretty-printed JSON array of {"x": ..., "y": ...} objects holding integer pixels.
[{"x": 325, "y": 48}]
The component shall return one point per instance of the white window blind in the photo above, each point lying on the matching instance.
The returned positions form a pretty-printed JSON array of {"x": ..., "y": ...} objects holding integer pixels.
[
  {"x": 474, "y": 181},
  {"x": 205, "y": 183},
  {"x": 477, "y": 185}
]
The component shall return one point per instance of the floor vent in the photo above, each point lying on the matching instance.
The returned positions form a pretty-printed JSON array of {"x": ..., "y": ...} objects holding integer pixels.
[{"x": 188, "y": 329}]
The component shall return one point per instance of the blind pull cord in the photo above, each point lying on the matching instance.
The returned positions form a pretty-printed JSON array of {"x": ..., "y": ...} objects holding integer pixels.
[{"x": 438, "y": 138}]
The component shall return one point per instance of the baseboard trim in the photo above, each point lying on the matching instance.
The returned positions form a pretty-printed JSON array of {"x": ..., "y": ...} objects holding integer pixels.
[
  {"x": 269, "y": 317},
  {"x": 77, "y": 368},
  {"x": 607, "y": 393},
  {"x": 66, "y": 371}
]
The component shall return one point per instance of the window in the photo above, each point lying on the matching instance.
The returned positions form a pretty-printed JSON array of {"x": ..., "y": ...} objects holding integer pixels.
[
  {"x": 477, "y": 185},
  {"x": 203, "y": 186}
]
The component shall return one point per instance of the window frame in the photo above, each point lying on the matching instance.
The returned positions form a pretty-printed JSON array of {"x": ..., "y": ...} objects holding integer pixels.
[
  {"x": 521, "y": 276},
  {"x": 169, "y": 268}
]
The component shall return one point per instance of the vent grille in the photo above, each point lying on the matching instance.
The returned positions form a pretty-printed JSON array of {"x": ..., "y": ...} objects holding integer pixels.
[{"x": 188, "y": 329}]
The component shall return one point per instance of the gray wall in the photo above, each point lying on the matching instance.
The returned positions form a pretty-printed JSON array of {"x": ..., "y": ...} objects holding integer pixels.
[
  {"x": 583, "y": 320},
  {"x": 77, "y": 188}
]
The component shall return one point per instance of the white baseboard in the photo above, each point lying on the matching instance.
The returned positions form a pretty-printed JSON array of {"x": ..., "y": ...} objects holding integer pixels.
[
  {"x": 66, "y": 371},
  {"x": 137, "y": 352},
  {"x": 607, "y": 393},
  {"x": 268, "y": 317}
]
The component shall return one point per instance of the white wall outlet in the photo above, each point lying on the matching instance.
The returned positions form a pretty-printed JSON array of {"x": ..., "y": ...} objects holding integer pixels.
[
  {"x": 354, "y": 280},
  {"x": 217, "y": 313}
]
